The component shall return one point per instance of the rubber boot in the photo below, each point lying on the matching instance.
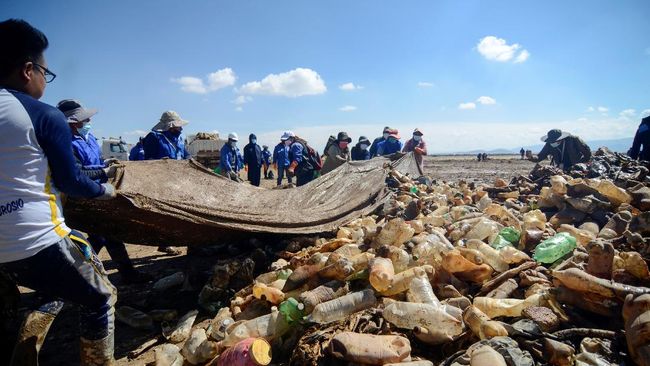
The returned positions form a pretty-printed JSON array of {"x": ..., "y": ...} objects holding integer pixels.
[
  {"x": 31, "y": 337},
  {"x": 99, "y": 352}
]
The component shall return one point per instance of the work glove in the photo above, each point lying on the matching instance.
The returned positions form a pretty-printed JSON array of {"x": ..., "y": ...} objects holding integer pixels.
[
  {"x": 292, "y": 168},
  {"x": 111, "y": 161},
  {"x": 109, "y": 192},
  {"x": 110, "y": 171}
]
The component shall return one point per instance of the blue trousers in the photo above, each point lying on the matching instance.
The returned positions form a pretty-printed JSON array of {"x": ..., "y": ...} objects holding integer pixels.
[
  {"x": 281, "y": 171},
  {"x": 61, "y": 273}
]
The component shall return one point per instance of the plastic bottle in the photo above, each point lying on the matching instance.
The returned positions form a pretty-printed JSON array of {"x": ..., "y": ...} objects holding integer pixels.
[
  {"x": 481, "y": 324},
  {"x": 168, "y": 355},
  {"x": 343, "y": 306},
  {"x": 508, "y": 236},
  {"x": 268, "y": 293},
  {"x": 349, "y": 250},
  {"x": 484, "y": 229},
  {"x": 494, "y": 308},
  {"x": 558, "y": 185},
  {"x": 370, "y": 349},
  {"x": 444, "y": 321},
  {"x": 183, "y": 327},
  {"x": 512, "y": 255},
  {"x": 554, "y": 248},
  {"x": 395, "y": 232},
  {"x": 301, "y": 275},
  {"x": 381, "y": 273},
  {"x": 326, "y": 292},
  {"x": 614, "y": 194},
  {"x": 248, "y": 352},
  {"x": 420, "y": 291},
  {"x": 219, "y": 327},
  {"x": 170, "y": 281},
  {"x": 484, "y": 202},
  {"x": 268, "y": 326},
  {"x": 583, "y": 237},
  {"x": 400, "y": 258},
  {"x": 453, "y": 262},
  {"x": 534, "y": 220},
  {"x": 190, "y": 348},
  {"x": 402, "y": 280},
  {"x": 292, "y": 310},
  {"x": 491, "y": 255},
  {"x": 485, "y": 356},
  {"x": 134, "y": 318}
]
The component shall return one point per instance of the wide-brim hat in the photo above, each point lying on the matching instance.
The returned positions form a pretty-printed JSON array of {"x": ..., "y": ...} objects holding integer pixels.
[
  {"x": 418, "y": 132},
  {"x": 363, "y": 139},
  {"x": 74, "y": 111},
  {"x": 343, "y": 136},
  {"x": 394, "y": 133},
  {"x": 168, "y": 120},
  {"x": 554, "y": 135}
]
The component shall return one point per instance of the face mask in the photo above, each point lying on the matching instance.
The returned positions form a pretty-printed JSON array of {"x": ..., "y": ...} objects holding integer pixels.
[
  {"x": 343, "y": 144},
  {"x": 233, "y": 143},
  {"x": 556, "y": 144},
  {"x": 83, "y": 131},
  {"x": 392, "y": 140},
  {"x": 386, "y": 135},
  {"x": 287, "y": 142},
  {"x": 363, "y": 146},
  {"x": 253, "y": 141},
  {"x": 417, "y": 138}
]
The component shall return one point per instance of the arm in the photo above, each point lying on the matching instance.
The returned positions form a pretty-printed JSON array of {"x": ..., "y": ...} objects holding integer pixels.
[
  {"x": 373, "y": 148},
  {"x": 542, "y": 154},
  {"x": 584, "y": 150},
  {"x": 54, "y": 137},
  {"x": 636, "y": 144},
  {"x": 150, "y": 145},
  {"x": 421, "y": 148},
  {"x": 94, "y": 174}
]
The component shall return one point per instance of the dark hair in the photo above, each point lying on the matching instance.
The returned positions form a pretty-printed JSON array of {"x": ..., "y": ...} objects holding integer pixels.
[{"x": 20, "y": 43}]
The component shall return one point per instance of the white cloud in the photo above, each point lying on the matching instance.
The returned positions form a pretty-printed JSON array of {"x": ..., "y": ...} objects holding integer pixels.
[
  {"x": 350, "y": 87},
  {"x": 469, "y": 105},
  {"x": 645, "y": 113},
  {"x": 590, "y": 109},
  {"x": 135, "y": 133},
  {"x": 582, "y": 119},
  {"x": 628, "y": 113},
  {"x": 485, "y": 100},
  {"x": 294, "y": 83},
  {"x": 214, "y": 81},
  {"x": 242, "y": 99},
  {"x": 425, "y": 84},
  {"x": 523, "y": 56},
  {"x": 497, "y": 49},
  {"x": 602, "y": 109},
  {"x": 348, "y": 108}
]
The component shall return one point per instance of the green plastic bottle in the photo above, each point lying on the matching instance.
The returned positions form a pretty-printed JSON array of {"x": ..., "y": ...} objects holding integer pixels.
[
  {"x": 414, "y": 189},
  {"x": 292, "y": 310},
  {"x": 508, "y": 237},
  {"x": 552, "y": 249}
]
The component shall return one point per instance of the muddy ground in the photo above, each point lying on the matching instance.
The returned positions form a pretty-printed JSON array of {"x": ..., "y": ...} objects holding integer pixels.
[{"x": 61, "y": 345}]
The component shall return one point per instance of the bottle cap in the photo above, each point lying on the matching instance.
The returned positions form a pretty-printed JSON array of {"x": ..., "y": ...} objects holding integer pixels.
[{"x": 260, "y": 352}]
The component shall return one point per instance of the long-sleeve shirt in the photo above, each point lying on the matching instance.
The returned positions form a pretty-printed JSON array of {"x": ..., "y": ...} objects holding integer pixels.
[
  {"x": 641, "y": 138},
  {"x": 253, "y": 155},
  {"x": 229, "y": 161},
  {"x": 360, "y": 154},
  {"x": 387, "y": 147},
  {"x": 335, "y": 158},
  {"x": 572, "y": 150},
  {"x": 159, "y": 145},
  {"x": 137, "y": 152},
  {"x": 411, "y": 145},
  {"x": 281, "y": 155},
  {"x": 375, "y": 144},
  {"x": 37, "y": 165},
  {"x": 266, "y": 157}
]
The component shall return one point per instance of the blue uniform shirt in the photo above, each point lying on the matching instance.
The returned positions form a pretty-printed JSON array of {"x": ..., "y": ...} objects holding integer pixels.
[
  {"x": 386, "y": 147},
  {"x": 266, "y": 157},
  {"x": 87, "y": 151},
  {"x": 158, "y": 145},
  {"x": 230, "y": 159},
  {"x": 137, "y": 152},
  {"x": 281, "y": 155}
]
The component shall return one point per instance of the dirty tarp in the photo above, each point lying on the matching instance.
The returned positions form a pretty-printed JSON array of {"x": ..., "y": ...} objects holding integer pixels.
[{"x": 182, "y": 203}]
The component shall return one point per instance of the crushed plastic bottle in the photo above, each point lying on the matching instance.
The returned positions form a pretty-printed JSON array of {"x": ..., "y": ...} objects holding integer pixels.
[
  {"x": 400, "y": 257},
  {"x": 492, "y": 256},
  {"x": 443, "y": 321},
  {"x": 168, "y": 355},
  {"x": 370, "y": 349},
  {"x": 268, "y": 293},
  {"x": 292, "y": 310},
  {"x": 381, "y": 273},
  {"x": 508, "y": 236},
  {"x": 454, "y": 262},
  {"x": 183, "y": 327},
  {"x": 485, "y": 229},
  {"x": 133, "y": 317},
  {"x": 248, "y": 352},
  {"x": 268, "y": 326},
  {"x": 494, "y": 308},
  {"x": 481, "y": 324},
  {"x": 420, "y": 291},
  {"x": 402, "y": 280},
  {"x": 343, "y": 306},
  {"x": 170, "y": 281},
  {"x": 554, "y": 248},
  {"x": 326, "y": 292}
]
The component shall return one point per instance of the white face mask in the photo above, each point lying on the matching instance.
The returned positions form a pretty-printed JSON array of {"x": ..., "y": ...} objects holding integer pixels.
[
  {"x": 417, "y": 138},
  {"x": 556, "y": 144},
  {"x": 385, "y": 135},
  {"x": 287, "y": 142},
  {"x": 363, "y": 146}
]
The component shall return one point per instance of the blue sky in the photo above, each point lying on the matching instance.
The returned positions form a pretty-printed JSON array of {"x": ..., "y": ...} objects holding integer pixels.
[{"x": 471, "y": 74}]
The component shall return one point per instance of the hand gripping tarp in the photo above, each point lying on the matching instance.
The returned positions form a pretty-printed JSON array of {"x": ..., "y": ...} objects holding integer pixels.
[{"x": 181, "y": 203}]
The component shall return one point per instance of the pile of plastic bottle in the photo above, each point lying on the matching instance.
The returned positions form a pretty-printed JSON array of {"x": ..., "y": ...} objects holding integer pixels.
[{"x": 544, "y": 271}]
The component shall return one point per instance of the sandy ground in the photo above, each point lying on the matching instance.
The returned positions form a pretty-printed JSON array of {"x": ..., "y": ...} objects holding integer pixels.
[{"x": 61, "y": 345}]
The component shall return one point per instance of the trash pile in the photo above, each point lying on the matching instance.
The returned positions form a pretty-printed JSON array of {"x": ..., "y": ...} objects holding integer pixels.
[{"x": 545, "y": 269}]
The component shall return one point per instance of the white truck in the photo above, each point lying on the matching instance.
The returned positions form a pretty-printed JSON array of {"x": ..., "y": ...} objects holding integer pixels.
[
  {"x": 115, "y": 148},
  {"x": 205, "y": 147}
]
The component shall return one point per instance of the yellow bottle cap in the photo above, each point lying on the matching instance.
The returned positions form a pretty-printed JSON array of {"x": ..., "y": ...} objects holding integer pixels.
[{"x": 260, "y": 352}]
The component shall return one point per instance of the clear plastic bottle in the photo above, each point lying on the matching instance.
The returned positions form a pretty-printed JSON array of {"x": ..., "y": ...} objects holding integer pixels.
[
  {"x": 402, "y": 280},
  {"x": 343, "y": 306},
  {"x": 268, "y": 293},
  {"x": 191, "y": 347},
  {"x": 370, "y": 349},
  {"x": 169, "y": 355},
  {"x": 182, "y": 329},
  {"x": 349, "y": 250},
  {"x": 491, "y": 255},
  {"x": 484, "y": 202},
  {"x": 481, "y": 324},
  {"x": 443, "y": 320},
  {"x": 558, "y": 185},
  {"x": 400, "y": 258},
  {"x": 534, "y": 220},
  {"x": 420, "y": 291},
  {"x": 268, "y": 326},
  {"x": 512, "y": 255},
  {"x": 583, "y": 237},
  {"x": 395, "y": 232},
  {"x": 381, "y": 273},
  {"x": 337, "y": 267},
  {"x": 485, "y": 356},
  {"x": 431, "y": 251},
  {"x": 170, "y": 281},
  {"x": 484, "y": 229},
  {"x": 326, "y": 292},
  {"x": 494, "y": 308},
  {"x": 613, "y": 193},
  {"x": 554, "y": 248},
  {"x": 133, "y": 317},
  {"x": 453, "y": 262},
  {"x": 301, "y": 275}
]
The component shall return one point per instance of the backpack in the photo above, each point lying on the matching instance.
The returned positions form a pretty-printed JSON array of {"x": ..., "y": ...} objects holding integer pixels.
[{"x": 310, "y": 157}]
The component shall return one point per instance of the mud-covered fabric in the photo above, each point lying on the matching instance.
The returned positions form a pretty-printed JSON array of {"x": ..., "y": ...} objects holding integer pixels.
[{"x": 196, "y": 207}]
